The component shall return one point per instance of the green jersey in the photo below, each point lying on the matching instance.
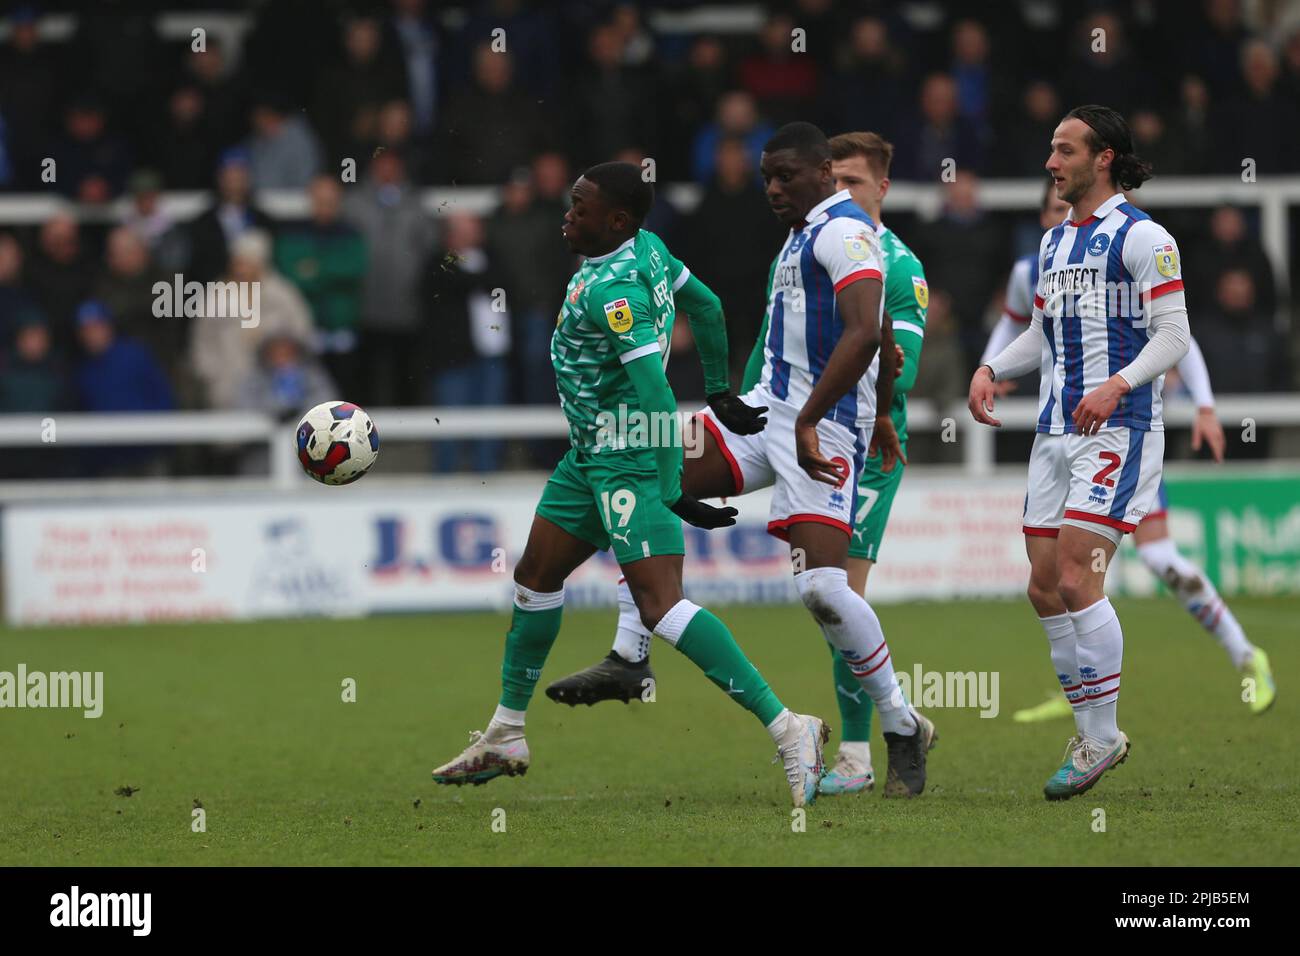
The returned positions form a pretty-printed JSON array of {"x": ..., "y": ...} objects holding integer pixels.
[{"x": 617, "y": 308}]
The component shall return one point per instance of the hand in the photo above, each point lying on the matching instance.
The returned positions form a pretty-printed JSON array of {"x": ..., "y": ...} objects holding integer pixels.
[
  {"x": 1098, "y": 405},
  {"x": 807, "y": 449},
  {"x": 697, "y": 513},
  {"x": 735, "y": 415},
  {"x": 980, "y": 401},
  {"x": 1005, "y": 387},
  {"x": 884, "y": 441},
  {"x": 902, "y": 357},
  {"x": 1205, "y": 426}
]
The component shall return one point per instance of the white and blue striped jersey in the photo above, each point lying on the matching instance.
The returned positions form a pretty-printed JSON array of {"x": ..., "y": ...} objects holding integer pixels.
[
  {"x": 1095, "y": 279},
  {"x": 837, "y": 246}
]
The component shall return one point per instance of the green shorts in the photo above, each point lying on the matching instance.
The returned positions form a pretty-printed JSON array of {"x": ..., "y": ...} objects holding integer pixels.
[
  {"x": 876, "y": 490},
  {"x": 612, "y": 498}
]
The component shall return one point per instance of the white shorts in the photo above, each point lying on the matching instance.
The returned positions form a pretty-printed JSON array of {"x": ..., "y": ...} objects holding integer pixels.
[
  {"x": 1106, "y": 483},
  {"x": 768, "y": 458}
]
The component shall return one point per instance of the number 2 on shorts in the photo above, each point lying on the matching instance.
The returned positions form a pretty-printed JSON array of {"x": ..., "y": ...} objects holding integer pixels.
[{"x": 1103, "y": 477}]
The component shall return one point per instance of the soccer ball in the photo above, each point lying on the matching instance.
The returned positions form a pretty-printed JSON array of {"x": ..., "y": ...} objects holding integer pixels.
[{"x": 337, "y": 443}]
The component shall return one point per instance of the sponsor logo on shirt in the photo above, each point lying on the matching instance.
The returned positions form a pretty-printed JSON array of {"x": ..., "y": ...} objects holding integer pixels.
[
  {"x": 857, "y": 247},
  {"x": 619, "y": 315},
  {"x": 1166, "y": 260},
  {"x": 921, "y": 291}
]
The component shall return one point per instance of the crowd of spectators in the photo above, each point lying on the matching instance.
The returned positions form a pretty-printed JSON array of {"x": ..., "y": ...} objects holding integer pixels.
[{"x": 375, "y": 297}]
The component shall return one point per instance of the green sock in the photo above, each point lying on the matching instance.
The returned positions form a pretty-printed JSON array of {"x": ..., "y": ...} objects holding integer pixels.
[
  {"x": 711, "y": 648},
  {"x": 855, "y": 710},
  {"x": 527, "y": 643}
]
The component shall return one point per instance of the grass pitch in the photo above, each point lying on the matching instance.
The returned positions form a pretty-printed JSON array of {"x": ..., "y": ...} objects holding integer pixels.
[{"x": 248, "y": 720}]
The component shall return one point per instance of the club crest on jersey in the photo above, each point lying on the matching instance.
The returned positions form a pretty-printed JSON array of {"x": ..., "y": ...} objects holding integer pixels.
[
  {"x": 577, "y": 291},
  {"x": 1048, "y": 253},
  {"x": 619, "y": 315},
  {"x": 857, "y": 247},
  {"x": 1098, "y": 245},
  {"x": 1166, "y": 259},
  {"x": 921, "y": 291}
]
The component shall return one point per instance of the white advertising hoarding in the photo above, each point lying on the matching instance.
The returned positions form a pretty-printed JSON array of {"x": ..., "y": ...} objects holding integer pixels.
[{"x": 364, "y": 550}]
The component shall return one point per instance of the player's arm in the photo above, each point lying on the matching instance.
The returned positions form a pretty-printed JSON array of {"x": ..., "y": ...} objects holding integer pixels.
[
  {"x": 1151, "y": 257},
  {"x": 1020, "y": 357},
  {"x": 850, "y": 254},
  {"x": 1205, "y": 427},
  {"x": 704, "y": 313},
  {"x": 754, "y": 367},
  {"x": 1017, "y": 310},
  {"x": 884, "y": 437}
]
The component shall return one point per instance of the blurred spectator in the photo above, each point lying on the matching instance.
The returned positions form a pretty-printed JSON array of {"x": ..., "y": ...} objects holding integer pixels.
[
  {"x": 1193, "y": 125},
  {"x": 685, "y": 374},
  {"x": 286, "y": 381},
  {"x": 523, "y": 236},
  {"x": 417, "y": 36},
  {"x": 398, "y": 235},
  {"x": 972, "y": 72},
  {"x": 1260, "y": 124},
  {"x": 283, "y": 152},
  {"x": 737, "y": 117},
  {"x": 223, "y": 350},
  {"x": 1156, "y": 143},
  {"x": 940, "y": 134},
  {"x": 1231, "y": 246},
  {"x": 126, "y": 289},
  {"x": 33, "y": 381},
  {"x": 729, "y": 240},
  {"x": 349, "y": 95},
  {"x": 1215, "y": 46},
  {"x": 1290, "y": 83},
  {"x": 872, "y": 83},
  {"x": 690, "y": 97},
  {"x": 15, "y": 299},
  {"x": 636, "y": 42},
  {"x": 468, "y": 325},
  {"x": 1023, "y": 149},
  {"x": 963, "y": 255},
  {"x": 1242, "y": 348},
  {"x": 183, "y": 144},
  {"x": 326, "y": 259},
  {"x": 29, "y": 85},
  {"x": 232, "y": 215},
  {"x": 222, "y": 93},
  {"x": 393, "y": 130},
  {"x": 782, "y": 81},
  {"x": 117, "y": 374},
  {"x": 59, "y": 275},
  {"x": 91, "y": 163},
  {"x": 943, "y": 375},
  {"x": 1101, "y": 69},
  {"x": 491, "y": 126},
  {"x": 662, "y": 219},
  {"x": 608, "y": 104},
  {"x": 116, "y": 52}
]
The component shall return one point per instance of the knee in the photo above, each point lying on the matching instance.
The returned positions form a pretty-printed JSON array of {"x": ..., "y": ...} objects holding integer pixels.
[
  {"x": 529, "y": 574},
  {"x": 819, "y": 590},
  {"x": 1074, "y": 584},
  {"x": 1042, "y": 595}
]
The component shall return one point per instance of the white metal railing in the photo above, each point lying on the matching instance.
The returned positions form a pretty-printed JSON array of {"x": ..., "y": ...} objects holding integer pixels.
[{"x": 975, "y": 441}]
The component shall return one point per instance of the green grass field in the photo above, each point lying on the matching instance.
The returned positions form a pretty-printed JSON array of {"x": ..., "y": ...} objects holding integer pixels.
[{"x": 248, "y": 720}]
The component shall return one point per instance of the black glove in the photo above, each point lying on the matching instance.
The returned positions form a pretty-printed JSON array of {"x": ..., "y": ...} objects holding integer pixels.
[
  {"x": 696, "y": 512},
  {"x": 735, "y": 415}
]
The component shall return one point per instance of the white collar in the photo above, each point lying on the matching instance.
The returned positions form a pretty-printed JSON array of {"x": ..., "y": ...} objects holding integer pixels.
[
  {"x": 612, "y": 252},
  {"x": 826, "y": 203},
  {"x": 1101, "y": 212}
]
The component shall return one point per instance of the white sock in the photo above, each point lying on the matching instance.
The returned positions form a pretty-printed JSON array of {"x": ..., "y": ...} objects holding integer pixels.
[
  {"x": 779, "y": 727},
  {"x": 859, "y": 751},
  {"x": 1100, "y": 650},
  {"x": 505, "y": 717},
  {"x": 1194, "y": 590},
  {"x": 632, "y": 640},
  {"x": 852, "y": 628},
  {"x": 1062, "y": 641}
]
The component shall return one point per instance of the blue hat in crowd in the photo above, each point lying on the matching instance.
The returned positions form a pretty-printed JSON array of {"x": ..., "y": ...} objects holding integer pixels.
[
  {"x": 92, "y": 310},
  {"x": 234, "y": 155}
]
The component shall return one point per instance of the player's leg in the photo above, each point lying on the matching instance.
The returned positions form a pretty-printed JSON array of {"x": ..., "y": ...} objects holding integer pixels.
[
  {"x": 564, "y": 534},
  {"x": 715, "y": 464},
  {"x": 1194, "y": 590},
  {"x": 852, "y": 771},
  {"x": 1049, "y": 483}
]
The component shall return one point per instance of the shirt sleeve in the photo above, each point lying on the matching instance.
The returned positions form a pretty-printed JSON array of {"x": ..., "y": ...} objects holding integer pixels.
[
  {"x": 1020, "y": 295},
  {"x": 1196, "y": 376},
  {"x": 907, "y": 299},
  {"x": 622, "y": 311},
  {"x": 1151, "y": 258},
  {"x": 677, "y": 272},
  {"x": 849, "y": 251}
]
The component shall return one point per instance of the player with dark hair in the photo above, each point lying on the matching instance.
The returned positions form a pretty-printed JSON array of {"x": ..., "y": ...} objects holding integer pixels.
[
  {"x": 1108, "y": 320},
  {"x": 827, "y": 366},
  {"x": 620, "y": 486}
]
